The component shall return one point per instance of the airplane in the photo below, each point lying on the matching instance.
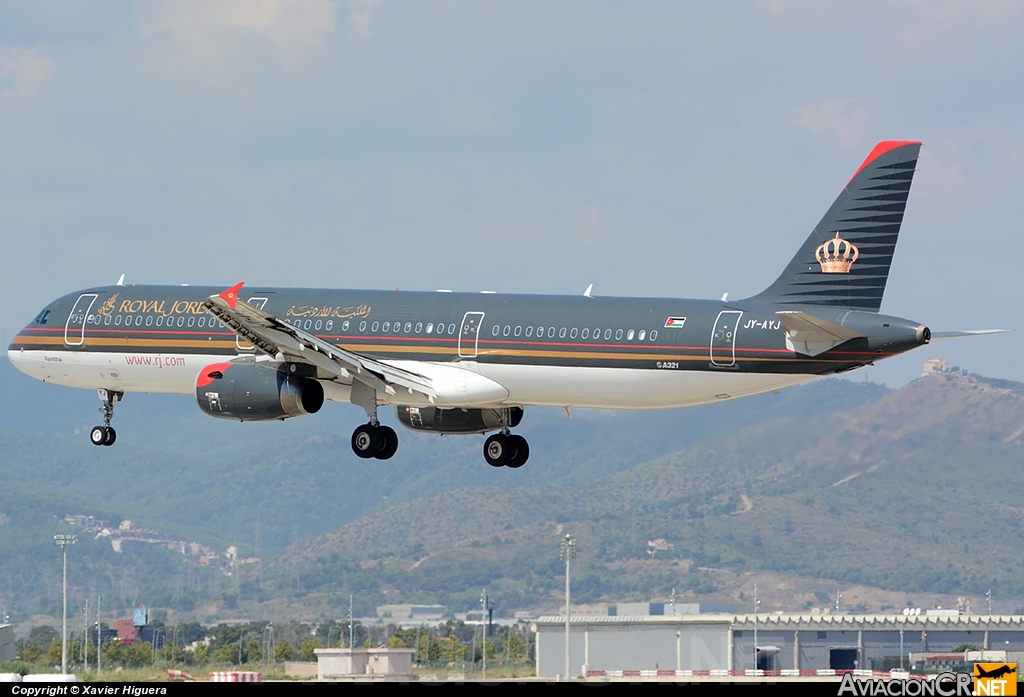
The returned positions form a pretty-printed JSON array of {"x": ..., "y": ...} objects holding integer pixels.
[{"x": 470, "y": 363}]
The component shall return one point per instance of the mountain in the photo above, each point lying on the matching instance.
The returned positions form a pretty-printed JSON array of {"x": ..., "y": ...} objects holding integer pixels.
[
  {"x": 192, "y": 477},
  {"x": 918, "y": 491}
]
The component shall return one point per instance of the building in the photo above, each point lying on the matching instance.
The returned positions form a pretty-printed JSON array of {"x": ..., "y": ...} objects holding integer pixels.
[
  {"x": 334, "y": 664},
  {"x": 786, "y": 642}
]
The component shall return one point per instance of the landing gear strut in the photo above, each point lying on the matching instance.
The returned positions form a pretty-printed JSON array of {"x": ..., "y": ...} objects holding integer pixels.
[
  {"x": 504, "y": 449},
  {"x": 105, "y": 434}
]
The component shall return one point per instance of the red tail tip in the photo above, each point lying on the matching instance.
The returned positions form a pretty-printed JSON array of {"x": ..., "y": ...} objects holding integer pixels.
[{"x": 230, "y": 296}]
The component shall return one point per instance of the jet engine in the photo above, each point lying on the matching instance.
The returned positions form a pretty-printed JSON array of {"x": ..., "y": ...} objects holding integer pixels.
[
  {"x": 456, "y": 420},
  {"x": 256, "y": 392}
]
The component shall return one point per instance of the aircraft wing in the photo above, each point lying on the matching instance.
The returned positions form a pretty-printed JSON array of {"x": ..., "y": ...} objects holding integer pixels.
[
  {"x": 277, "y": 338},
  {"x": 812, "y": 335}
]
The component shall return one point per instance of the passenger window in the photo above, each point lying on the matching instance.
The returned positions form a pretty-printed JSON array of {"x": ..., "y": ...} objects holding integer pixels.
[
  {"x": 495, "y": 330},
  {"x": 430, "y": 327},
  {"x": 551, "y": 332},
  {"x": 309, "y": 324},
  {"x": 654, "y": 334},
  {"x": 597, "y": 334},
  {"x": 607, "y": 334},
  {"x": 181, "y": 321},
  {"x": 319, "y": 324},
  {"x": 640, "y": 336},
  {"x": 586, "y": 333},
  {"x": 419, "y": 327},
  {"x": 159, "y": 320},
  {"x": 540, "y": 332},
  {"x": 572, "y": 334},
  {"x": 362, "y": 326},
  {"x": 451, "y": 328},
  {"x": 529, "y": 331},
  {"x": 629, "y": 335},
  {"x": 519, "y": 330},
  {"x": 561, "y": 333},
  {"x": 344, "y": 325},
  {"x": 191, "y": 321},
  {"x": 149, "y": 321},
  {"x": 618, "y": 335},
  {"x": 117, "y": 320},
  {"x": 374, "y": 326},
  {"x": 330, "y": 325},
  {"x": 408, "y": 327},
  {"x": 106, "y": 320},
  {"x": 506, "y": 331},
  {"x": 387, "y": 326}
]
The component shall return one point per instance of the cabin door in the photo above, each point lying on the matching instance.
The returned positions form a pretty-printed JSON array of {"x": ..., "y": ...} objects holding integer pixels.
[
  {"x": 723, "y": 338},
  {"x": 74, "y": 330},
  {"x": 241, "y": 343},
  {"x": 469, "y": 335}
]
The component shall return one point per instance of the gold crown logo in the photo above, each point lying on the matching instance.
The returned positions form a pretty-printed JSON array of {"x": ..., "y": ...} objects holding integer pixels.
[{"x": 837, "y": 255}]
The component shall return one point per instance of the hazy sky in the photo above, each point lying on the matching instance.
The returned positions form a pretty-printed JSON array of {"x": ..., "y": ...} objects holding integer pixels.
[{"x": 669, "y": 149}]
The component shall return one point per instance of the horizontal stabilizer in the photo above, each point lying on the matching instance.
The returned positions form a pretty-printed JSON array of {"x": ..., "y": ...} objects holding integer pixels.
[
  {"x": 812, "y": 335},
  {"x": 975, "y": 332}
]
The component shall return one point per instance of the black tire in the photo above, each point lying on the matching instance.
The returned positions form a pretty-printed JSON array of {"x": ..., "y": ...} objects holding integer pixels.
[
  {"x": 111, "y": 436},
  {"x": 390, "y": 446},
  {"x": 98, "y": 435},
  {"x": 367, "y": 441},
  {"x": 522, "y": 451},
  {"x": 497, "y": 450}
]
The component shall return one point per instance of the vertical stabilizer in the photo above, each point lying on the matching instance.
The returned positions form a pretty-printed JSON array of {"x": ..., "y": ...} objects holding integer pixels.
[{"x": 846, "y": 259}]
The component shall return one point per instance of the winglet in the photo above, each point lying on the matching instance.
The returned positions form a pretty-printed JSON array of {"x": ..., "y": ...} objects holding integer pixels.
[{"x": 230, "y": 296}]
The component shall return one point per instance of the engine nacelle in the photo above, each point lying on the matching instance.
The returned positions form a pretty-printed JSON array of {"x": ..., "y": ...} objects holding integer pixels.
[
  {"x": 256, "y": 392},
  {"x": 455, "y": 420}
]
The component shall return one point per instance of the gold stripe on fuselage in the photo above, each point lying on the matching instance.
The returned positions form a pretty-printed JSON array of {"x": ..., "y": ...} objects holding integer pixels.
[{"x": 384, "y": 349}]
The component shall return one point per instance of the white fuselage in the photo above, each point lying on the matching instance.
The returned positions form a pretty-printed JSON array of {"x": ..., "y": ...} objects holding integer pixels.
[{"x": 466, "y": 383}]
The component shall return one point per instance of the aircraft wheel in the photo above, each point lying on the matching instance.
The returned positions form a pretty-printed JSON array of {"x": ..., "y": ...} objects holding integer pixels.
[
  {"x": 497, "y": 450},
  {"x": 367, "y": 441},
  {"x": 522, "y": 449},
  {"x": 111, "y": 436},
  {"x": 390, "y": 446},
  {"x": 98, "y": 435}
]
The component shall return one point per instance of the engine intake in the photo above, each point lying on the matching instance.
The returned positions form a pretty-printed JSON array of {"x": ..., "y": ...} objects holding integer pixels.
[
  {"x": 255, "y": 392},
  {"x": 455, "y": 420}
]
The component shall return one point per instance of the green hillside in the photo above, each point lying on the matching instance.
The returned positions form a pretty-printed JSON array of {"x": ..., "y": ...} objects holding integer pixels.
[{"x": 921, "y": 491}]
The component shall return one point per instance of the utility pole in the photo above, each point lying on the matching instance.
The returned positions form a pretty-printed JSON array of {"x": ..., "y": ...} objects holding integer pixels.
[
  {"x": 756, "y": 603},
  {"x": 351, "y": 627},
  {"x": 989, "y": 596},
  {"x": 568, "y": 552},
  {"x": 483, "y": 625},
  {"x": 85, "y": 637},
  {"x": 99, "y": 638},
  {"x": 64, "y": 541}
]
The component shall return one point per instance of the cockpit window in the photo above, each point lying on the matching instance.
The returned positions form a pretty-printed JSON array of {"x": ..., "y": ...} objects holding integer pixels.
[{"x": 42, "y": 317}]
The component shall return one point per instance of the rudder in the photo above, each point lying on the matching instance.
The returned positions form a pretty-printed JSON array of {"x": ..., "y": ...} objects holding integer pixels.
[{"x": 845, "y": 261}]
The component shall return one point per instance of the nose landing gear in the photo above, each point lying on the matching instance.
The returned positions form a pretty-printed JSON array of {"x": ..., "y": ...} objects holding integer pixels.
[{"x": 105, "y": 434}]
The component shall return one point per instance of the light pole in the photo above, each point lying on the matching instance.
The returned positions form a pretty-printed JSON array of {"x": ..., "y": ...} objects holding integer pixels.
[
  {"x": 483, "y": 606},
  {"x": 756, "y": 603},
  {"x": 64, "y": 541},
  {"x": 568, "y": 552}
]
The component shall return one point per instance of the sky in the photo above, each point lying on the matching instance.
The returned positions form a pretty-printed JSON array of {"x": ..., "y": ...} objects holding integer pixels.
[{"x": 653, "y": 149}]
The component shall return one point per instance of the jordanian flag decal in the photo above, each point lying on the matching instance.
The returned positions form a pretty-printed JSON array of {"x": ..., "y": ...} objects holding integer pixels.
[{"x": 675, "y": 322}]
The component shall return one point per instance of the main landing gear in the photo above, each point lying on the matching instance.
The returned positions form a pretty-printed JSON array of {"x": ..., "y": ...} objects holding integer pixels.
[
  {"x": 374, "y": 440},
  {"x": 504, "y": 449},
  {"x": 105, "y": 434}
]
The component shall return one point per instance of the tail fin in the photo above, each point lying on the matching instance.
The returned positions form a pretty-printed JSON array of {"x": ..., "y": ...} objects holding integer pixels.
[{"x": 846, "y": 259}]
